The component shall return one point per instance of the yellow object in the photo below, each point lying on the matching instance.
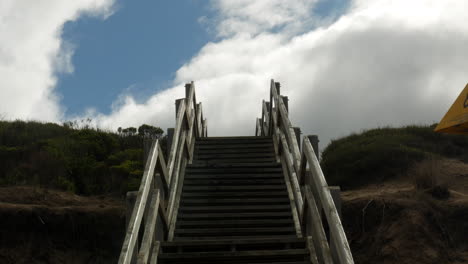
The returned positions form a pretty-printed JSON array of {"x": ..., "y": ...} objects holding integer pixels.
[{"x": 455, "y": 120}]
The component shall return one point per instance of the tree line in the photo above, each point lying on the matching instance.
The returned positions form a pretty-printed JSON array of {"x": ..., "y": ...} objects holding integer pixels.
[{"x": 73, "y": 157}]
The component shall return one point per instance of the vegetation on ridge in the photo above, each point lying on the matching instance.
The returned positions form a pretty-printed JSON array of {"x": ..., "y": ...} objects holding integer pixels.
[
  {"x": 81, "y": 160},
  {"x": 379, "y": 154}
]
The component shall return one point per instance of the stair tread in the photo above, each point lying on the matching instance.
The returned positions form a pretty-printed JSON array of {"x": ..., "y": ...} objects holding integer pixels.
[
  {"x": 200, "y": 239},
  {"x": 262, "y": 150},
  {"x": 235, "y": 176},
  {"x": 239, "y": 241},
  {"x": 253, "y": 222},
  {"x": 232, "y": 137},
  {"x": 236, "y": 254},
  {"x": 233, "y": 229},
  {"x": 183, "y": 215},
  {"x": 265, "y": 165},
  {"x": 278, "y": 193},
  {"x": 235, "y": 200},
  {"x": 190, "y": 182}
]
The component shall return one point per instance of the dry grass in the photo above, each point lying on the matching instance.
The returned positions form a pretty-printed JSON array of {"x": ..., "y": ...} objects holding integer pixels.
[{"x": 429, "y": 176}]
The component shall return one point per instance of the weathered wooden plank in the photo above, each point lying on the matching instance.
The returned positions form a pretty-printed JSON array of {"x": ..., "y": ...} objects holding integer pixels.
[
  {"x": 205, "y": 128},
  {"x": 150, "y": 230},
  {"x": 316, "y": 228},
  {"x": 139, "y": 208},
  {"x": 155, "y": 252},
  {"x": 334, "y": 222},
  {"x": 292, "y": 202},
  {"x": 175, "y": 177},
  {"x": 293, "y": 177},
  {"x": 289, "y": 130},
  {"x": 313, "y": 253},
  {"x": 175, "y": 141},
  {"x": 266, "y": 113},
  {"x": 189, "y": 94},
  {"x": 190, "y": 138},
  {"x": 198, "y": 120},
  {"x": 175, "y": 208},
  {"x": 258, "y": 127},
  {"x": 165, "y": 173}
]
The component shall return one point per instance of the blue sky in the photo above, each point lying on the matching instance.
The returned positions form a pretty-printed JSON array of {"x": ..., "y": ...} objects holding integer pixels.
[{"x": 136, "y": 50}]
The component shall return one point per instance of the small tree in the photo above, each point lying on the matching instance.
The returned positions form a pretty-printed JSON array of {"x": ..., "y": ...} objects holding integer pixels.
[
  {"x": 132, "y": 131},
  {"x": 150, "y": 131}
]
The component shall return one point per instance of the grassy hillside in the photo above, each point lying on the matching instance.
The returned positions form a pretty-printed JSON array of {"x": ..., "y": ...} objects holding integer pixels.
[
  {"x": 84, "y": 161},
  {"x": 380, "y": 154}
]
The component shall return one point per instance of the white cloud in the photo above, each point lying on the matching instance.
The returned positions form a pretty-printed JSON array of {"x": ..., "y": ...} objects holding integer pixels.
[
  {"x": 253, "y": 17},
  {"x": 382, "y": 63},
  {"x": 32, "y": 53}
]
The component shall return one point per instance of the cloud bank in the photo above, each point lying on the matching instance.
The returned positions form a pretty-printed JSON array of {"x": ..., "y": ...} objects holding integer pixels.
[
  {"x": 380, "y": 63},
  {"x": 32, "y": 53}
]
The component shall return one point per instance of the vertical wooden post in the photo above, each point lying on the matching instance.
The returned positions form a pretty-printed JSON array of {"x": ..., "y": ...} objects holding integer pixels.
[
  {"x": 278, "y": 87},
  {"x": 314, "y": 141},
  {"x": 170, "y": 137},
  {"x": 286, "y": 102},
  {"x": 262, "y": 120},
  {"x": 270, "y": 121},
  {"x": 130, "y": 203},
  {"x": 297, "y": 131},
  {"x": 335, "y": 192}
]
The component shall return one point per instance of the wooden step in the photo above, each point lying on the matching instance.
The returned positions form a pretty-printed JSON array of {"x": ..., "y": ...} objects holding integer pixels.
[
  {"x": 203, "y": 139},
  {"x": 230, "y": 170},
  {"x": 237, "y": 244},
  {"x": 203, "y": 156},
  {"x": 235, "y": 176},
  {"x": 235, "y": 141},
  {"x": 235, "y": 208},
  {"x": 233, "y": 188},
  {"x": 236, "y": 223},
  {"x": 234, "y": 201},
  {"x": 211, "y": 151},
  {"x": 231, "y": 215},
  {"x": 258, "y": 256},
  {"x": 234, "y": 231},
  {"x": 236, "y": 165},
  {"x": 229, "y": 181},
  {"x": 228, "y": 162},
  {"x": 249, "y": 194},
  {"x": 229, "y": 145},
  {"x": 210, "y": 238}
]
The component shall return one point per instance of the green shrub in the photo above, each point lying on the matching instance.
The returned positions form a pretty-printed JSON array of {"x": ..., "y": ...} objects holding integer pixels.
[
  {"x": 383, "y": 153},
  {"x": 84, "y": 161}
]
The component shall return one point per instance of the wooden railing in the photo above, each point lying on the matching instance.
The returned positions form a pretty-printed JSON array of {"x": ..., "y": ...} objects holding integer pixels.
[
  {"x": 160, "y": 188},
  {"x": 309, "y": 188}
]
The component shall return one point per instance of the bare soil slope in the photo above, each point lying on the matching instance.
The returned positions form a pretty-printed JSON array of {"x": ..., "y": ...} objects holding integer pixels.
[
  {"x": 45, "y": 226},
  {"x": 397, "y": 223},
  {"x": 393, "y": 222}
]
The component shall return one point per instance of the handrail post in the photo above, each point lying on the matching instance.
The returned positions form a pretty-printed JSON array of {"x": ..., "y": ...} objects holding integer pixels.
[
  {"x": 315, "y": 144},
  {"x": 285, "y": 101},
  {"x": 170, "y": 137},
  {"x": 161, "y": 181},
  {"x": 297, "y": 132},
  {"x": 308, "y": 191}
]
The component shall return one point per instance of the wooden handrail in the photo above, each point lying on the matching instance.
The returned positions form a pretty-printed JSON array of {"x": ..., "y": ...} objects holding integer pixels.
[
  {"x": 161, "y": 183},
  {"x": 308, "y": 199}
]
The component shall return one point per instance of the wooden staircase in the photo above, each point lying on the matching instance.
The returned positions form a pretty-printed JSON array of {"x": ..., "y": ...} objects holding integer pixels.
[
  {"x": 234, "y": 207},
  {"x": 261, "y": 199}
]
